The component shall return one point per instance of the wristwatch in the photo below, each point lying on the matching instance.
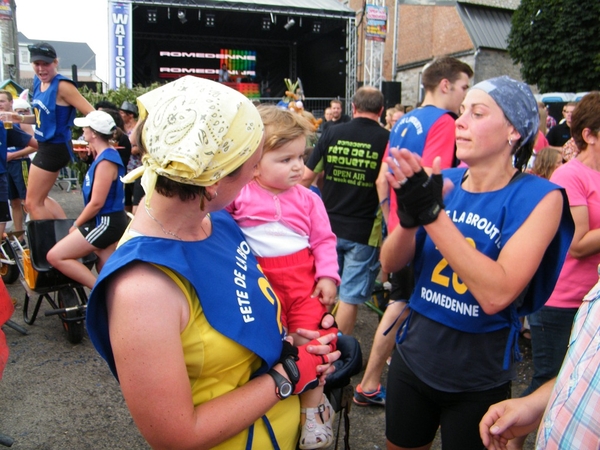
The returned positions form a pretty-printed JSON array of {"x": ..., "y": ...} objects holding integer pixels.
[{"x": 283, "y": 388}]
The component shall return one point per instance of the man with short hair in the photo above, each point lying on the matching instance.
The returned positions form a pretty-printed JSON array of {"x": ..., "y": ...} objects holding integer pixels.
[
  {"x": 350, "y": 155},
  {"x": 337, "y": 117},
  {"x": 429, "y": 132},
  {"x": 558, "y": 135}
]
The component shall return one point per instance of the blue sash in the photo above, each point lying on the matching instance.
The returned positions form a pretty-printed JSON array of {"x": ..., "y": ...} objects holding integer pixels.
[{"x": 236, "y": 298}]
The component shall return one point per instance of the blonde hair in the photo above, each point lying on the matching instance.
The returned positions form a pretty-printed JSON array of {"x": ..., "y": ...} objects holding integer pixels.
[
  {"x": 545, "y": 162},
  {"x": 282, "y": 126}
]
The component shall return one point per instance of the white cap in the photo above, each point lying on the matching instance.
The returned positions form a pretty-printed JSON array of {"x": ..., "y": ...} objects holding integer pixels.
[
  {"x": 98, "y": 121},
  {"x": 19, "y": 103}
]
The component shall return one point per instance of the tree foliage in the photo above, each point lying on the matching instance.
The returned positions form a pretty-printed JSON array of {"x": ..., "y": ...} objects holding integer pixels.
[{"x": 557, "y": 44}]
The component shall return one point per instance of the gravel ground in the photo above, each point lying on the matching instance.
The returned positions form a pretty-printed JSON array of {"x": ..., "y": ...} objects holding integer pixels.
[{"x": 56, "y": 395}]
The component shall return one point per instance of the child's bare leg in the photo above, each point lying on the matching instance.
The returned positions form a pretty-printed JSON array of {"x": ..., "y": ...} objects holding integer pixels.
[{"x": 317, "y": 414}]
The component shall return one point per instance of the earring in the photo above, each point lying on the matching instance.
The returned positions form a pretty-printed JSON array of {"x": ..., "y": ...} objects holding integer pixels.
[
  {"x": 510, "y": 142},
  {"x": 215, "y": 194}
]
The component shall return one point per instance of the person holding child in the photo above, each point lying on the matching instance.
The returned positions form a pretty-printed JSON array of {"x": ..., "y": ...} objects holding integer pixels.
[
  {"x": 288, "y": 230},
  {"x": 182, "y": 312}
]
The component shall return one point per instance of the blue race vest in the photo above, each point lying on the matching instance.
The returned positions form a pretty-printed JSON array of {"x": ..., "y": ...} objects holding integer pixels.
[
  {"x": 52, "y": 122},
  {"x": 487, "y": 220},
  {"x": 115, "y": 201},
  {"x": 412, "y": 129},
  {"x": 236, "y": 298}
]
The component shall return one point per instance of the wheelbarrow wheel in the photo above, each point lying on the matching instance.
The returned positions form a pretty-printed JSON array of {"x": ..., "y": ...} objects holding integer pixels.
[
  {"x": 9, "y": 272},
  {"x": 67, "y": 298}
]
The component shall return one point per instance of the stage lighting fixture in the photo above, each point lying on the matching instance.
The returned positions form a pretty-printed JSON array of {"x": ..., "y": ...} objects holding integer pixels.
[
  {"x": 210, "y": 20},
  {"x": 152, "y": 16},
  {"x": 266, "y": 24},
  {"x": 290, "y": 23},
  {"x": 316, "y": 27},
  {"x": 181, "y": 16}
]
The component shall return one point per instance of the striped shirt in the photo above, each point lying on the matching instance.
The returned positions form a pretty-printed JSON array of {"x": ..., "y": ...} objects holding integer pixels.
[{"x": 572, "y": 418}]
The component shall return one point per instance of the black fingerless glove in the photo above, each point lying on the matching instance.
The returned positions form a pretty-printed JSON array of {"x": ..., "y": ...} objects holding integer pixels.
[
  {"x": 301, "y": 366},
  {"x": 420, "y": 199}
]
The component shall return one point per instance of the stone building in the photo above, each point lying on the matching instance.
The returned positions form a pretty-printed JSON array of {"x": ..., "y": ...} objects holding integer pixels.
[{"x": 475, "y": 31}]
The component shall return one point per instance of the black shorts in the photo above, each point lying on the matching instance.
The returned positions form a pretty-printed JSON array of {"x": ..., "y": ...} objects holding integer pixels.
[
  {"x": 52, "y": 157},
  {"x": 4, "y": 212},
  {"x": 414, "y": 411},
  {"x": 111, "y": 228},
  {"x": 403, "y": 283}
]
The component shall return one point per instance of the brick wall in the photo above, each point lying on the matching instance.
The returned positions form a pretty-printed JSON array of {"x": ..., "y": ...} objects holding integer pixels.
[{"x": 427, "y": 31}]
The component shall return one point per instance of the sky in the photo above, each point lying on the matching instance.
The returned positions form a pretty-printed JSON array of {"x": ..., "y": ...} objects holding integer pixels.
[{"x": 69, "y": 21}]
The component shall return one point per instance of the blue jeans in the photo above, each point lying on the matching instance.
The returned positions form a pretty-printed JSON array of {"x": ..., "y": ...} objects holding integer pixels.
[
  {"x": 550, "y": 331},
  {"x": 359, "y": 266}
]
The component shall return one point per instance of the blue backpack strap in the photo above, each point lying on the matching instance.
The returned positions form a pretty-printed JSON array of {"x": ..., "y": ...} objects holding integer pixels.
[{"x": 269, "y": 429}]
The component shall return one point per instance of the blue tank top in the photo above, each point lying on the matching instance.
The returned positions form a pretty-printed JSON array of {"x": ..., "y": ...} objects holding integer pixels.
[
  {"x": 115, "y": 200},
  {"x": 487, "y": 220},
  {"x": 52, "y": 122}
]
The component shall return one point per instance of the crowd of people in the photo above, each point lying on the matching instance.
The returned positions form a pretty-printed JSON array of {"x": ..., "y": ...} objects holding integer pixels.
[{"x": 228, "y": 272}]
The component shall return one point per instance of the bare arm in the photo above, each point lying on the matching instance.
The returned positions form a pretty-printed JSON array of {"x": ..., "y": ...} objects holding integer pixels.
[
  {"x": 32, "y": 146},
  {"x": 308, "y": 177},
  {"x": 514, "y": 418},
  {"x": 146, "y": 341},
  {"x": 383, "y": 191},
  {"x": 585, "y": 242},
  {"x": 68, "y": 95}
]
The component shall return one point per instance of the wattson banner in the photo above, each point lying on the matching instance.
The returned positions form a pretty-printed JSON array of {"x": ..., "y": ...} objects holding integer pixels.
[{"x": 120, "y": 45}]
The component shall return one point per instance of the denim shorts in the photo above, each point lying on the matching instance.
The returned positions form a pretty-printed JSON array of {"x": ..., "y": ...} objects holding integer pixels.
[{"x": 359, "y": 267}]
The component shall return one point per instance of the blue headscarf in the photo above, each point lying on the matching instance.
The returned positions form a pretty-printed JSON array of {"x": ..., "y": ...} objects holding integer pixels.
[{"x": 517, "y": 102}]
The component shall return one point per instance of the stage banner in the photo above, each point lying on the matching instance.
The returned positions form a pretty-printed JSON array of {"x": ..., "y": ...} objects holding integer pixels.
[
  {"x": 376, "y": 23},
  {"x": 119, "y": 38}
]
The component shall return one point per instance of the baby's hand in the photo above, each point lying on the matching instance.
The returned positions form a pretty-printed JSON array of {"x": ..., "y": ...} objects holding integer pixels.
[{"x": 326, "y": 290}]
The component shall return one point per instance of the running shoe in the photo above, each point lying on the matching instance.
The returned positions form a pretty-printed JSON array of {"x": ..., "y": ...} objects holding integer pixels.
[{"x": 375, "y": 398}]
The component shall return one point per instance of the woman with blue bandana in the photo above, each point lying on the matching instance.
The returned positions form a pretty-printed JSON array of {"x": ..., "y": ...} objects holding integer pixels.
[{"x": 484, "y": 254}]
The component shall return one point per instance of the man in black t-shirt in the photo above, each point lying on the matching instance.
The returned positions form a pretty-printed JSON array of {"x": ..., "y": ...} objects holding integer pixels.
[
  {"x": 350, "y": 156},
  {"x": 561, "y": 133},
  {"x": 337, "y": 117}
]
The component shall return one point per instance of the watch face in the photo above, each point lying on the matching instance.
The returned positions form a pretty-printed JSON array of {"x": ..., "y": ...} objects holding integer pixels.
[{"x": 285, "y": 390}]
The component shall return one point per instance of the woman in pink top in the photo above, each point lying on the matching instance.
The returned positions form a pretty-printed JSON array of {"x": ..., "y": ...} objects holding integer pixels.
[
  {"x": 551, "y": 326},
  {"x": 288, "y": 231}
]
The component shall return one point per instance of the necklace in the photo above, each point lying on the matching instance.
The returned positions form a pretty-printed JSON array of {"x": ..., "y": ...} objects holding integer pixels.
[{"x": 169, "y": 233}]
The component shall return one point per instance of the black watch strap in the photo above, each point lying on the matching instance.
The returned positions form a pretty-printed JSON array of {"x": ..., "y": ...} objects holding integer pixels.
[{"x": 283, "y": 388}]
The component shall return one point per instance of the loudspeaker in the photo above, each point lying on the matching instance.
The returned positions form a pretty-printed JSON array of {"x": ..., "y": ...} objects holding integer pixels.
[{"x": 392, "y": 93}]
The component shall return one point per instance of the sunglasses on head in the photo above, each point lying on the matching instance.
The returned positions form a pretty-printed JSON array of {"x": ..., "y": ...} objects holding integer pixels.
[{"x": 42, "y": 50}]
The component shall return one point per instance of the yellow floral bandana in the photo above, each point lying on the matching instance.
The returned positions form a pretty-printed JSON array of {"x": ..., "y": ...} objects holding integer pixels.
[{"x": 196, "y": 132}]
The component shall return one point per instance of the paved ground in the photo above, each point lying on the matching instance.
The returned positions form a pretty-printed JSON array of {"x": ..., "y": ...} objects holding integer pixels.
[{"x": 55, "y": 395}]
